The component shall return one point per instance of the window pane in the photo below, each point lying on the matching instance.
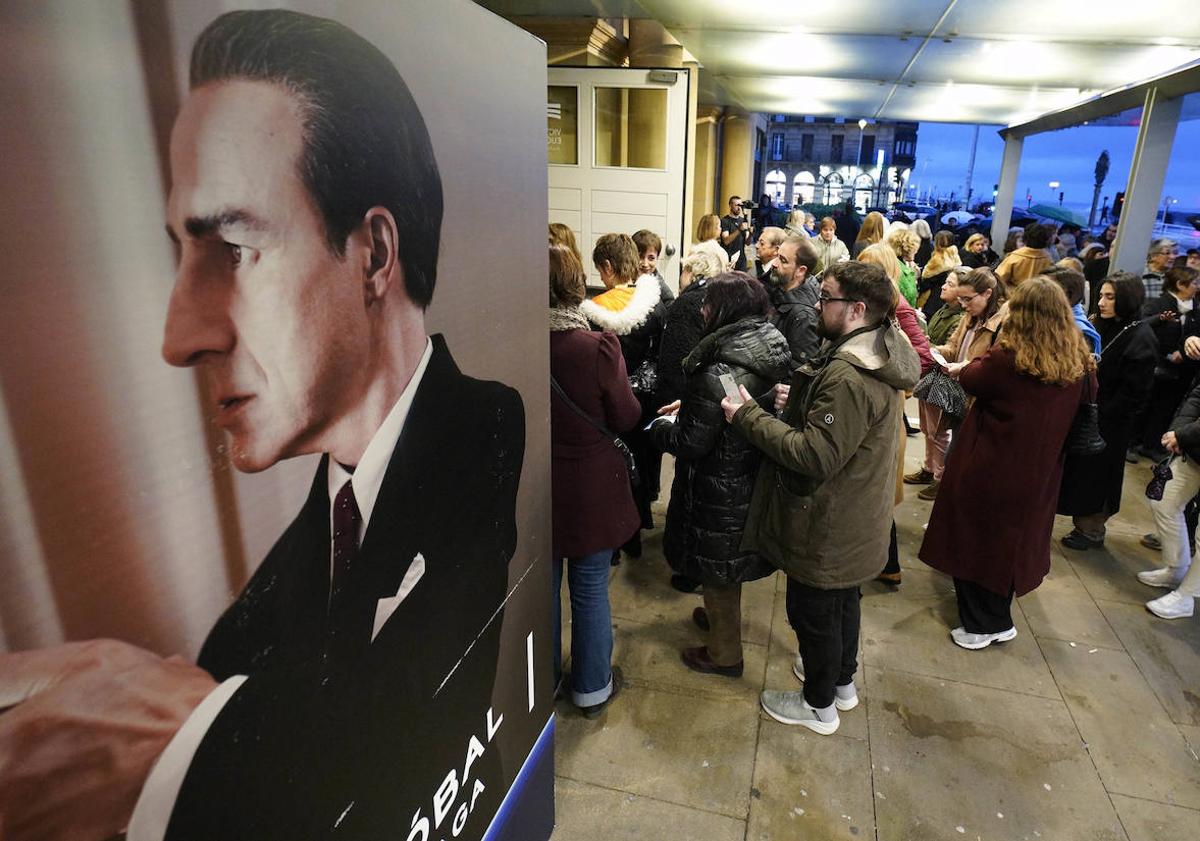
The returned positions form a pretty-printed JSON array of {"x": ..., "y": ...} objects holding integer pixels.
[
  {"x": 631, "y": 127},
  {"x": 562, "y": 124}
]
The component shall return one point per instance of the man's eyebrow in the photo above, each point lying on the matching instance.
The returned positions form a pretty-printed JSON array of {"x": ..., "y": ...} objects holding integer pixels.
[{"x": 199, "y": 227}]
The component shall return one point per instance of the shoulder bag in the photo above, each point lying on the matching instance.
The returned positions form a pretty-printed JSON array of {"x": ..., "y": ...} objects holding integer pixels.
[
  {"x": 635, "y": 476},
  {"x": 1084, "y": 439}
]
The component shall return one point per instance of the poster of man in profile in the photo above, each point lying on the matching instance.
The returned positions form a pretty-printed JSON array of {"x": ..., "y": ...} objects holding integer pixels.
[{"x": 378, "y": 671}]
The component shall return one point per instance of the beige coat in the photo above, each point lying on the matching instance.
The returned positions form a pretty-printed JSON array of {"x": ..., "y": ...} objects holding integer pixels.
[
  {"x": 1023, "y": 264},
  {"x": 981, "y": 343}
]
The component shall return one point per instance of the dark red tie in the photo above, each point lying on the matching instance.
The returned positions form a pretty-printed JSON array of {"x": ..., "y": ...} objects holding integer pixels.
[{"x": 346, "y": 520}]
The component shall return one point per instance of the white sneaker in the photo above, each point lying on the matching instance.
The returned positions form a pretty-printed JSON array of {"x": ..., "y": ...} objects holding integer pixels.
[
  {"x": 845, "y": 698},
  {"x": 1166, "y": 577},
  {"x": 791, "y": 708},
  {"x": 1174, "y": 605},
  {"x": 966, "y": 639}
]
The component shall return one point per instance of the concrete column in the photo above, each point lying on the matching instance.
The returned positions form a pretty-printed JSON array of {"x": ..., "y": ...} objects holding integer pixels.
[
  {"x": 737, "y": 156},
  {"x": 704, "y": 199},
  {"x": 1151, "y": 154},
  {"x": 691, "y": 156},
  {"x": 1002, "y": 211},
  {"x": 650, "y": 45}
]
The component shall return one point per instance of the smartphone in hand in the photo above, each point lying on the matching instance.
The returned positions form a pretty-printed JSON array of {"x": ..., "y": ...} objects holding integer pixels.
[{"x": 731, "y": 389}]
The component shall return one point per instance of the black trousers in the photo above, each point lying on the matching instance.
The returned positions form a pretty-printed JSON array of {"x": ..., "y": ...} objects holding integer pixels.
[
  {"x": 981, "y": 610},
  {"x": 826, "y": 623},
  {"x": 893, "y": 559}
]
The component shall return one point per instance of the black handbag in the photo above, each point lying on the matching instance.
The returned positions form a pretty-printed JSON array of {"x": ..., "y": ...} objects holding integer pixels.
[
  {"x": 635, "y": 476},
  {"x": 940, "y": 390},
  {"x": 1084, "y": 439}
]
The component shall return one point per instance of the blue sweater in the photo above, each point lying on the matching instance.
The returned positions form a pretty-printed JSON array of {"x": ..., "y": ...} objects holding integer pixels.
[{"x": 1089, "y": 332}]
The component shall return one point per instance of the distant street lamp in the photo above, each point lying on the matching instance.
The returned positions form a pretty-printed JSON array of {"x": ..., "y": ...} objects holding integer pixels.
[{"x": 1054, "y": 186}]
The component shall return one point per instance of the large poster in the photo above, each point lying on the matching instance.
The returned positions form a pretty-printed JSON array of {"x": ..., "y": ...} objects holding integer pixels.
[{"x": 273, "y": 423}]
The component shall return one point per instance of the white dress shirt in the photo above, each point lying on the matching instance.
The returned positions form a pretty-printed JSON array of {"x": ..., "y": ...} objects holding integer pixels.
[{"x": 154, "y": 805}]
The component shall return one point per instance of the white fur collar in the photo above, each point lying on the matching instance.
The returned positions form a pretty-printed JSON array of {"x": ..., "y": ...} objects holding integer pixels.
[{"x": 645, "y": 298}]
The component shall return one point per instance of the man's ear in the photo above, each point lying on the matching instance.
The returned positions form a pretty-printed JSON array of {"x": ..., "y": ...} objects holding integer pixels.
[{"x": 381, "y": 263}]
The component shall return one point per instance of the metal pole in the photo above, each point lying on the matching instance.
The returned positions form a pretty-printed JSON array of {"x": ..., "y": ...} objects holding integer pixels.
[
  {"x": 1006, "y": 192},
  {"x": 971, "y": 167}
]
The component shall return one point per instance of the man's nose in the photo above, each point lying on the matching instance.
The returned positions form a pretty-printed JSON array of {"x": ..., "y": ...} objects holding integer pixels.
[{"x": 198, "y": 318}]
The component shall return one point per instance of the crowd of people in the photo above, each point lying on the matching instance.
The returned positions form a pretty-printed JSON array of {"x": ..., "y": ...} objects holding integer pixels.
[{"x": 778, "y": 383}]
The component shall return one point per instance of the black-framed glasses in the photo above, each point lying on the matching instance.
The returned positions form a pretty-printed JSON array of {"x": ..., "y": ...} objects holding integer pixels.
[
  {"x": 963, "y": 300},
  {"x": 826, "y": 299}
]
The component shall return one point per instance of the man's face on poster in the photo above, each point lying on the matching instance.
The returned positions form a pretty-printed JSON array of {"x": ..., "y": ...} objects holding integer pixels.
[{"x": 275, "y": 318}]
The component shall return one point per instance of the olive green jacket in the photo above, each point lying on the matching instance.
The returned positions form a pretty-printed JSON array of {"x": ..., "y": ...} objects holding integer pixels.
[{"x": 822, "y": 504}]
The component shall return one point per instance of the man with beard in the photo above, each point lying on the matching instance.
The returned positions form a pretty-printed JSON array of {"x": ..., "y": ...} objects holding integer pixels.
[
  {"x": 822, "y": 504},
  {"x": 794, "y": 293},
  {"x": 766, "y": 250}
]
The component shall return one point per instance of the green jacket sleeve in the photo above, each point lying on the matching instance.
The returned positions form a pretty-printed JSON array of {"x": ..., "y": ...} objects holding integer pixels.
[{"x": 836, "y": 424}]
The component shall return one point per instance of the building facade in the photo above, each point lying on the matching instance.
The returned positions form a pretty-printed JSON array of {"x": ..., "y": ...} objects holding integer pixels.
[{"x": 829, "y": 160}]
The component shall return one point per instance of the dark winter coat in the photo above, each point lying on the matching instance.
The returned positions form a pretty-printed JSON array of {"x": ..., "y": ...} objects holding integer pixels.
[
  {"x": 992, "y": 517},
  {"x": 715, "y": 466},
  {"x": 796, "y": 318},
  {"x": 1171, "y": 329},
  {"x": 1092, "y": 484},
  {"x": 682, "y": 329},
  {"x": 822, "y": 506},
  {"x": 593, "y": 507},
  {"x": 638, "y": 326},
  {"x": 1186, "y": 425},
  {"x": 932, "y": 285}
]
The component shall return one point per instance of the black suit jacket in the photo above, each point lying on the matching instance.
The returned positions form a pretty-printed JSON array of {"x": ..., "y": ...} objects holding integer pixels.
[{"x": 351, "y": 746}]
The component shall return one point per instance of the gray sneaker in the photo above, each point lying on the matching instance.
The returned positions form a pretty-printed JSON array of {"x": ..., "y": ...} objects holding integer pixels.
[
  {"x": 964, "y": 638},
  {"x": 844, "y": 697},
  {"x": 791, "y": 708},
  {"x": 1166, "y": 577}
]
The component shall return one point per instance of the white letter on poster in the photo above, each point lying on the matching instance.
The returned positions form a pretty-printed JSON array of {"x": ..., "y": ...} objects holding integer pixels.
[{"x": 529, "y": 665}]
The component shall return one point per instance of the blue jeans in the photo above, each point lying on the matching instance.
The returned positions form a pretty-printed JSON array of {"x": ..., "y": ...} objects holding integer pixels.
[{"x": 591, "y": 627}]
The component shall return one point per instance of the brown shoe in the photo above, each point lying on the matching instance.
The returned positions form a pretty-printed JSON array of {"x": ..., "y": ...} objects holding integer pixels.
[
  {"x": 921, "y": 477},
  {"x": 930, "y": 491},
  {"x": 697, "y": 660},
  {"x": 892, "y": 579}
]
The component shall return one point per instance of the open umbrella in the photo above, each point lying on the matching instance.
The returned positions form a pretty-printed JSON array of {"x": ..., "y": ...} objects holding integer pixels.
[
  {"x": 1059, "y": 214},
  {"x": 960, "y": 217}
]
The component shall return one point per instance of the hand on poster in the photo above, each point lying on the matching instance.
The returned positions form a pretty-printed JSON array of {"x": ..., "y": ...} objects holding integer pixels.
[{"x": 83, "y": 724}]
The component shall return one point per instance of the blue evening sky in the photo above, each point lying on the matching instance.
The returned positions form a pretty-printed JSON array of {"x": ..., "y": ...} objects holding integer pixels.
[{"x": 1067, "y": 156}]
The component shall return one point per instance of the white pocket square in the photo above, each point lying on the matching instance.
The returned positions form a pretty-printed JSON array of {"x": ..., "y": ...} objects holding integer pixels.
[{"x": 385, "y": 607}]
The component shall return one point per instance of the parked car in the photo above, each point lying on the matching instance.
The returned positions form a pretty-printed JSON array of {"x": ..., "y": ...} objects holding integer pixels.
[{"x": 907, "y": 211}]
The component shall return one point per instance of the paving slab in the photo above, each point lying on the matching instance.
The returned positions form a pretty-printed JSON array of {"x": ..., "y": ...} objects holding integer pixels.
[
  {"x": 1061, "y": 608},
  {"x": 1111, "y": 573},
  {"x": 810, "y": 786},
  {"x": 1168, "y": 654},
  {"x": 586, "y": 812},
  {"x": 953, "y": 761},
  {"x": 684, "y": 749},
  {"x": 641, "y": 589},
  {"x": 912, "y": 633},
  {"x": 1137, "y": 749},
  {"x": 648, "y": 654},
  {"x": 1192, "y": 734},
  {"x": 1145, "y": 820}
]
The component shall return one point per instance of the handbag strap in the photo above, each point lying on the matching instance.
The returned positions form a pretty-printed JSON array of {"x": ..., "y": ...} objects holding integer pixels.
[{"x": 558, "y": 389}]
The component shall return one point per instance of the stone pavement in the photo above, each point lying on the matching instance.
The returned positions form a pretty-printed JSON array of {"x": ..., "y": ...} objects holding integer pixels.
[{"x": 1086, "y": 726}]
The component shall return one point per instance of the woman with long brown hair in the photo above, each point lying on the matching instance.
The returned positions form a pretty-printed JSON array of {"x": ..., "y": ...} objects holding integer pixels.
[
  {"x": 870, "y": 233},
  {"x": 1006, "y": 466}
]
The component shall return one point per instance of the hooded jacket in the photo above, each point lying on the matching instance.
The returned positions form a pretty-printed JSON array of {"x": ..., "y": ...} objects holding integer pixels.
[
  {"x": 635, "y": 316},
  {"x": 715, "y": 467},
  {"x": 822, "y": 506}
]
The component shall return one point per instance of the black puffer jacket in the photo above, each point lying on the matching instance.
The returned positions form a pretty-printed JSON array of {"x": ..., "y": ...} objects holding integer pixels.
[
  {"x": 796, "y": 318},
  {"x": 716, "y": 467},
  {"x": 682, "y": 329}
]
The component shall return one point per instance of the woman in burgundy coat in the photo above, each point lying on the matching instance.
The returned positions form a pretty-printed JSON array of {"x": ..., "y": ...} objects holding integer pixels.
[
  {"x": 1007, "y": 463},
  {"x": 593, "y": 507}
]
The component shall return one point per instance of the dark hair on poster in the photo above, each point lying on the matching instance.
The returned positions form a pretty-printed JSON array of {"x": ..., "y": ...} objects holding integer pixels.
[{"x": 365, "y": 141}]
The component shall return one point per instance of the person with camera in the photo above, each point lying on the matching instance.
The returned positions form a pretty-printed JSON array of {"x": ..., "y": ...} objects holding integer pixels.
[{"x": 736, "y": 231}]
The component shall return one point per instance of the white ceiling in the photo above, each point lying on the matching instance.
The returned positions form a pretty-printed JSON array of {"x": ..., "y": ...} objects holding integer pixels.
[{"x": 986, "y": 61}]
